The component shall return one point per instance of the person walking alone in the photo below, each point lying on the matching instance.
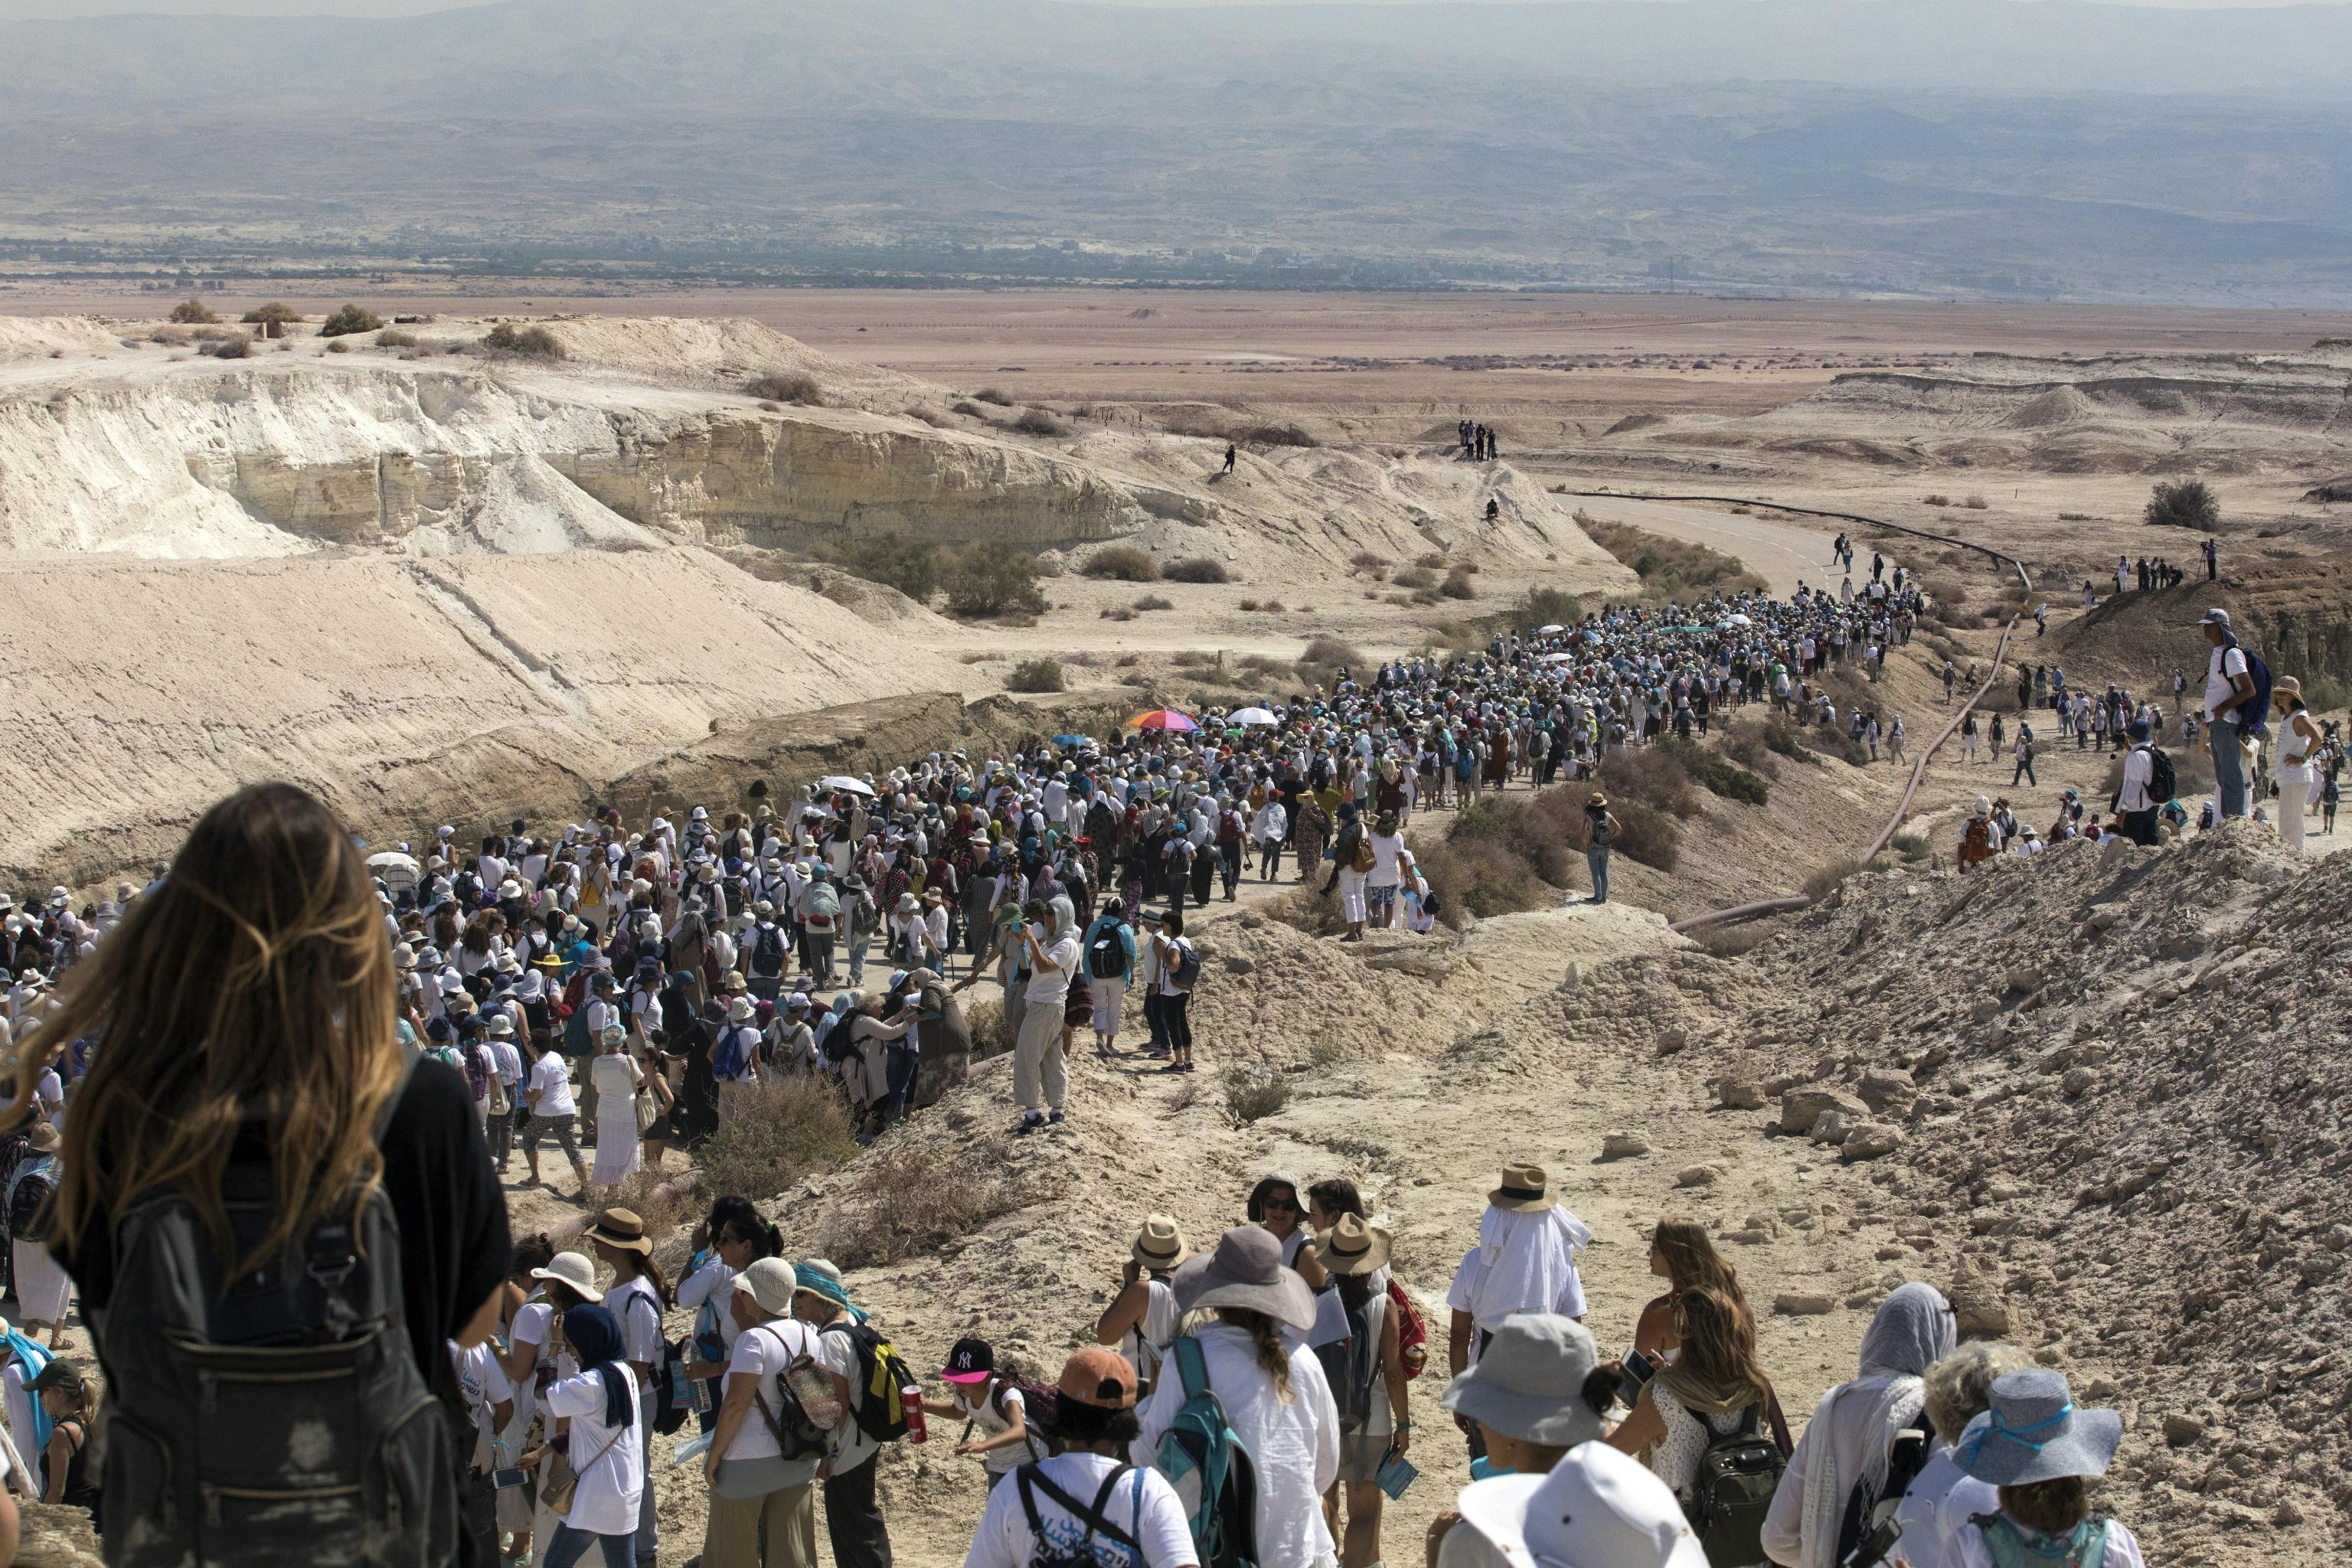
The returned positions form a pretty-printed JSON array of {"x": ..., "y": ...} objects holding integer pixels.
[{"x": 1600, "y": 830}]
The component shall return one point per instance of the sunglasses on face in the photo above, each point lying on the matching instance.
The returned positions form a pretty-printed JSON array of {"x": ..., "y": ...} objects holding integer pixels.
[{"x": 1286, "y": 1206}]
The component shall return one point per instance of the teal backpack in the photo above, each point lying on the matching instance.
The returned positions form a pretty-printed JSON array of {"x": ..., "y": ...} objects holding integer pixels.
[{"x": 1202, "y": 1458}]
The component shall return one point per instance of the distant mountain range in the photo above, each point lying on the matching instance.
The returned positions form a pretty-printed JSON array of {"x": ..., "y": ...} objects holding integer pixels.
[{"x": 1954, "y": 147}]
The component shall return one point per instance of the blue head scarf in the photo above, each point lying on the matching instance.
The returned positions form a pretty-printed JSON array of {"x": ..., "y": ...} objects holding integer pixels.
[
  {"x": 595, "y": 1339},
  {"x": 819, "y": 1283}
]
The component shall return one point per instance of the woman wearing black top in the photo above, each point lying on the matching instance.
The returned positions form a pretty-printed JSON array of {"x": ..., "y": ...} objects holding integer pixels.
[
  {"x": 72, "y": 1406},
  {"x": 243, "y": 1019}
]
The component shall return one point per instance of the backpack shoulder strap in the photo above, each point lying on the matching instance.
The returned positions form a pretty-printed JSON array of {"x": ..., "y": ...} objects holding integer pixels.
[
  {"x": 1092, "y": 1515},
  {"x": 1191, "y": 1366}
]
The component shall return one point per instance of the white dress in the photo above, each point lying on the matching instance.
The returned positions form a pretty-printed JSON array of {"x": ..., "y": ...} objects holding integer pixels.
[{"x": 617, "y": 1078}]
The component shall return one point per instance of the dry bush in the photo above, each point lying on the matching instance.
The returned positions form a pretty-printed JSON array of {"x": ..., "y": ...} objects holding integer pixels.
[
  {"x": 236, "y": 346},
  {"x": 1276, "y": 606},
  {"x": 337, "y": 347},
  {"x": 394, "y": 337},
  {"x": 1732, "y": 941},
  {"x": 1331, "y": 650},
  {"x": 193, "y": 312},
  {"x": 1649, "y": 776},
  {"x": 1718, "y": 773},
  {"x": 1935, "y": 501},
  {"x": 1195, "y": 569},
  {"x": 1252, "y": 1094},
  {"x": 1911, "y": 844},
  {"x": 1037, "y": 422},
  {"x": 537, "y": 341},
  {"x": 350, "y": 319},
  {"x": 273, "y": 319},
  {"x": 1154, "y": 602},
  {"x": 1197, "y": 659},
  {"x": 1549, "y": 607},
  {"x": 1669, "y": 568},
  {"x": 992, "y": 578},
  {"x": 1036, "y": 675},
  {"x": 1974, "y": 503},
  {"x": 771, "y": 1135},
  {"x": 1825, "y": 879},
  {"x": 1458, "y": 585},
  {"x": 1368, "y": 560},
  {"x": 992, "y": 394},
  {"x": 1118, "y": 614},
  {"x": 931, "y": 417},
  {"x": 1415, "y": 577},
  {"x": 1433, "y": 561},
  {"x": 1122, "y": 563},
  {"x": 967, "y": 408},
  {"x": 918, "y": 1197},
  {"x": 785, "y": 386}
]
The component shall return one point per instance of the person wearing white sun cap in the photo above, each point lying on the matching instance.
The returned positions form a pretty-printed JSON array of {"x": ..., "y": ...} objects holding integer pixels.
[{"x": 1597, "y": 1509}]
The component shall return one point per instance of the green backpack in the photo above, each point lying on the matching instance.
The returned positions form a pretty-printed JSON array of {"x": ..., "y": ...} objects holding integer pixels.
[
  {"x": 1203, "y": 1459},
  {"x": 2084, "y": 1546}
]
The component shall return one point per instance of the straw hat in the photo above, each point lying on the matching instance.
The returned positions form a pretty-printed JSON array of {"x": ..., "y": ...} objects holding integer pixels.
[
  {"x": 622, "y": 1229},
  {"x": 1352, "y": 1247},
  {"x": 43, "y": 1139},
  {"x": 1160, "y": 1243},
  {"x": 1246, "y": 1270},
  {"x": 576, "y": 1270},
  {"x": 1525, "y": 1189}
]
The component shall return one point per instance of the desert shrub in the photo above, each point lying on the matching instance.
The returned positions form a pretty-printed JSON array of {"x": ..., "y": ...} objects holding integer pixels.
[
  {"x": 1934, "y": 500},
  {"x": 2326, "y": 694},
  {"x": 1195, "y": 569},
  {"x": 507, "y": 338},
  {"x": 1275, "y": 435},
  {"x": 1825, "y": 879},
  {"x": 2190, "y": 503},
  {"x": 937, "y": 421},
  {"x": 1458, "y": 585},
  {"x": 1549, "y": 607},
  {"x": 1975, "y": 502},
  {"x": 772, "y": 1134},
  {"x": 1732, "y": 941},
  {"x": 1254, "y": 1092},
  {"x": 1331, "y": 650},
  {"x": 193, "y": 312},
  {"x": 1476, "y": 877},
  {"x": 1431, "y": 560},
  {"x": 992, "y": 394},
  {"x": 1649, "y": 776},
  {"x": 1122, "y": 563},
  {"x": 1368, "y": 560},
  {"x": 1744, "y": 744},
  {"x": 785, "y": 386},
  {"x": 992, "y": 578},
  {"x": 236, "y": 346},
  {"x": 913, "y": 1199},
  {"x": 349, "y": 319},
  {"x": 394, "y": 337},
  {"x": 1718, "y": 773},
  {"x": 1911, "y": 844},
  {"x": 1832, "y": 740},
  {"x": 273, "y": 319},
  {"x": 338, "y": 347},
  {"x": 1036, "y": 675},
  {"x": 967, "y": 408},
  {"x": 1782, "y": 739},
  {"x": 1415, "y": 577},
  {"x": 911, "y": 566},
  {"x": 1037, "y": 422},
  {"x": 1117, "y": 613},
  {"x": 1154, "y": 602},
  {"x": 1670, "y": 568},
  {"x": 1271, "y": 606}
]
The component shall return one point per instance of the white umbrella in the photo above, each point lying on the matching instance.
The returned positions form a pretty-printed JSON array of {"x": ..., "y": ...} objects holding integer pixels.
[
  {"x": 1548, "y": 631},
  {"x": 398, "y": 873},
  {"x": 1556, "y": 658},
  {"x": 1738, "y": 621},
  {"x": 1254, "y": 716},
  {"x": 844, "y": 783}
]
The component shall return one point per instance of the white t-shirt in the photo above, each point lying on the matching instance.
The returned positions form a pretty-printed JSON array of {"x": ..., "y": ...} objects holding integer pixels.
[
  {"x": 993, "y": 1415},
  {"x": 551, "y": 1082},
  {"x": 637, "y": 1310},
  {"x": 764, "y": 1352},
  {"x": 1295, "y": 1445},
  {"x": 2123, "y": 1549},
  {"x": 1142, "y": 1503},
  {"x": 1051, "y": 986},
  {"x": 1941, "y": 1499},
  {"x": 851, "y": 1446},
  {"x": 483, "y": 1382},
  {"x": 612, "y": 1472},
  {"x": 713, "y": 1282},
  {"x": 2227, "y": 662},
  {"x": 1385, "y": 850}
]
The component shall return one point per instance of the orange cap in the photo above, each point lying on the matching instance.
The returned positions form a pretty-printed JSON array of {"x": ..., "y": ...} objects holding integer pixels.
[{"x": 1099, "y": 1376}]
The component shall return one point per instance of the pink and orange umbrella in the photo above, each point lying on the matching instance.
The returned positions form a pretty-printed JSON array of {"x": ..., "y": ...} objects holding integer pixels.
[{"x": 1164, "y": 718}]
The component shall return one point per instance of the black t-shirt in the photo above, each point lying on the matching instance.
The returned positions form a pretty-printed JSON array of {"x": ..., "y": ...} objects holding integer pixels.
[{"x": 454, "y": 1245}]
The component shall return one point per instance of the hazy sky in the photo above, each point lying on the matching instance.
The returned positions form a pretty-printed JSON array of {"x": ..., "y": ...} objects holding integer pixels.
[{"x": 22, "y": 9}]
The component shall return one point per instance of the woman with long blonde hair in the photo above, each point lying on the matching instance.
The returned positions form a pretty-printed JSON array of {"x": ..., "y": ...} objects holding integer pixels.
[{"x": 244, "y": 1058}]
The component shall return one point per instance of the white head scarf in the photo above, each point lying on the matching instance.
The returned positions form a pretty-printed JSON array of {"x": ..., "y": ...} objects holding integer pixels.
[
  {"x": 1913, "y": 1330},
  {"x": 1525, "y": 1260}
]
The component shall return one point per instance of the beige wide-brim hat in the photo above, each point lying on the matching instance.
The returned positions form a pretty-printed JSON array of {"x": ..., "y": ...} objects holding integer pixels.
[
  {"x": 576, "y": 1270},
  {"x": 1353, "y": 1246},
  {"x": 1160, "y": 1243},
  {"x": 771, "y": 1283},
  {"x": 1525, "y": 1189},
  {"x": 620, "y": 1228}
]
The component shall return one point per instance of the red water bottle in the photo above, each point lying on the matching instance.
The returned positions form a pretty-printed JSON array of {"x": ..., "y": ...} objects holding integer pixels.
[{"x": 910, "y": 1401}]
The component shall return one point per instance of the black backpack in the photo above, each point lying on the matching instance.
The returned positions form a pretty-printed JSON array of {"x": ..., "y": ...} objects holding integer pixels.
[
  {"x": 767, "y": 951},
  {"x": 1733, "y": 1491},
  {"x": 1105, "y": 959},
  {"x": 274, "y": 1416},
  {"x": 883, "y": 1377},
  {"x": 1028, "y": 1480},
  {"x": 2163, "y": 783},
  {"x": 28, "y": 1206}
]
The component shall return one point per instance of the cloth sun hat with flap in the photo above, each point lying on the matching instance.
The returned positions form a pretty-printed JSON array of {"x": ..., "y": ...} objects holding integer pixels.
[
  {"x": 1528, "y": 1382},
  {"x": 1597, "y": 1509}
]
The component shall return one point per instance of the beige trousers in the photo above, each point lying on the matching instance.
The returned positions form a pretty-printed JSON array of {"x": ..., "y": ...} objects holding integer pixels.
[
  {"x": 786, "y": 1517},
  {"x": 1037, "y": 1056}
]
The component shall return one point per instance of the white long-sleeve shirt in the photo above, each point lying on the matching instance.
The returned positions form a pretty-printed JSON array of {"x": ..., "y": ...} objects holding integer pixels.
[
  {"x": 2139, "y": 766},
  {"x": 1272, "y": 823},
  {"x": 1295, "y": 1445}
]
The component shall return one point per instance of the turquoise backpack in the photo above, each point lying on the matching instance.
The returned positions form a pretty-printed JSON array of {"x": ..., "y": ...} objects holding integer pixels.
[
  {"x": 1202, "y": 1458},
  {"x": 2085, "y": 1546}
]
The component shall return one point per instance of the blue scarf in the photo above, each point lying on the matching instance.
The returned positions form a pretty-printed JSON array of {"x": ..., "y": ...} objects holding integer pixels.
[
  {"x": 825, "y": 1285},
  {"x": 596, "y": 1340}
]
